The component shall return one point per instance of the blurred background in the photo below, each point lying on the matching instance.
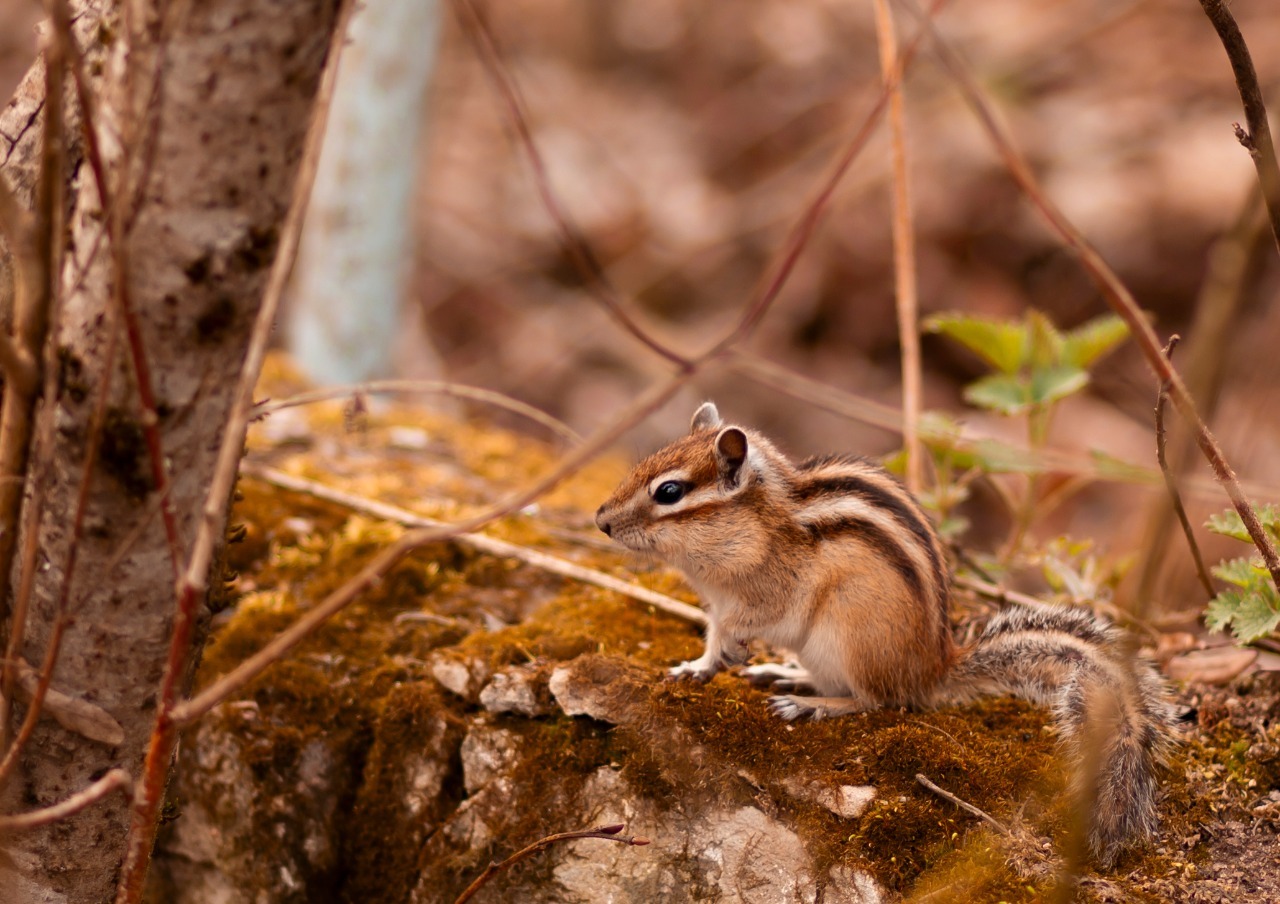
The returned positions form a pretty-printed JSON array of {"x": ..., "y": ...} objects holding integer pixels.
[{"x": 685, "y": 139}]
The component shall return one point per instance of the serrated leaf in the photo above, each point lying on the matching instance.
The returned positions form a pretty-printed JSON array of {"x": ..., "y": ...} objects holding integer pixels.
[
  {"x": 1090, "y": 341},
  {"x": 1049, "y": 384},
  {"x": 1221, "y": 610},
  {"x": 1044, "y": 342},
  {"x": 1241, "y": 572},
  {"x": 1255, "y": 617},
  {"x": 1228, "y": 523},
  {"x": 1005, "y": 393},
  {"x": 1001, "y": 343}
]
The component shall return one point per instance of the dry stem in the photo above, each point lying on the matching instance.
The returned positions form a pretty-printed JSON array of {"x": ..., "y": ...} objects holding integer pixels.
[
  {"x": 904, "y": 251},
  {"x": 1171, "y": 481},
  {"x": 965, "y": 805},
  {"x": 113, "y": 780},
  {"x": 36, "y": 256},
  {"x": 803, "y": 230},
  {"x": 607, "y": 833},
  {"x": 479, "y": 542},
  {"x": 456, "y": 390},
  {"x": 1257, "y": 140},
  {"x": 571, "y": 237}
]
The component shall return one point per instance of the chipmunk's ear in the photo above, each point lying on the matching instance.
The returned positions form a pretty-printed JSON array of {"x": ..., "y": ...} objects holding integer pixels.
[
  {"x": 707, "y": 417},
  {"x": 731, "y": 452}
]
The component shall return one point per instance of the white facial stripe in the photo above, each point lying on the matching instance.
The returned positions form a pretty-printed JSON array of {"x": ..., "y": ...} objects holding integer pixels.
[{"x": 843, "y": 508}]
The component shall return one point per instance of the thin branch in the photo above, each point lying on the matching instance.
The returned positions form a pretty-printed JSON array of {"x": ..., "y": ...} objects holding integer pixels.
[
  {"x": 456, "y": 390},
  {"x": 571, "y": 237},
  {"x": 1217, "y": 306},
  {"x": 72, "y": 713},
  {"x": 995, "y": 592},
  {"x": 606, "y": 833},
  {"x": 801, "y": 232},
  {"x": 37, "y": 262},
  {"x": 1113, "y": 290},
  {"x": 1257, "y": 140},
  {"x": 116, "y": 779},
  {"x": 904, "y": 251},
  {"x": 278, "y": 646},
  {"x": 479, "y": 542},
  {"x": 965, "y": 805},
  {"x": 1171, "y": 481}
]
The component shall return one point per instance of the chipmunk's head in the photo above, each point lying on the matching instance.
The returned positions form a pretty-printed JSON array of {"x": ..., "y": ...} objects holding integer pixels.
[{"x": 694, "y": 499}]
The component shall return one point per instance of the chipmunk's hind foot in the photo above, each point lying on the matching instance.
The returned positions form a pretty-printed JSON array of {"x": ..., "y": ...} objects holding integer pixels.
[{"x": 792, "y": 707}]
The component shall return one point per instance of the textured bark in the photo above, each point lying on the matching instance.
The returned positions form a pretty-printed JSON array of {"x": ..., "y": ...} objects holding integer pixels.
[{"x": 207, "y": 152}]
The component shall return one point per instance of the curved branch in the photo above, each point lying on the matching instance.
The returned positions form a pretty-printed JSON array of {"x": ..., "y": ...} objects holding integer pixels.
[{"x": 1257, "y": 140}]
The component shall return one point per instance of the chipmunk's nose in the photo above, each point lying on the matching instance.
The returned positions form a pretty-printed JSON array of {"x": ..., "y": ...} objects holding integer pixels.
[{"x": 603, "y": 523}]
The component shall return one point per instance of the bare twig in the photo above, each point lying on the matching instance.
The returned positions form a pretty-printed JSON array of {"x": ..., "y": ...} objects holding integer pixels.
[
  {"x": 993, "y": 591},
  {"x": 965, "y": 805},
  {"x": 1217, "y": 308},
  {"x": 904, "y": 251},
  {"x": 116, "y": 779},
  {"x": 1257, "y": 140},
  {"x": 192, "y": 579},
  {"x": 69, "y": 53},
  {"x": 72, "y": 713},
  {"x": 801, "y": 232},
  {"x": 36, "y": 265},
  {"x": 479, "y": 542},
  {"x": 1171, "y": 481},
  {"x": 571, "y": 237},
  {"x": 606, "y": 833},
  {"x": 456, "y": 390},
  {"x": 1113, "y": 290}
]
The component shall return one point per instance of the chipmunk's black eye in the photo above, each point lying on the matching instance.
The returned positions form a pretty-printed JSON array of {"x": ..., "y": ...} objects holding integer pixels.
[{"x": 668, "y": 492}]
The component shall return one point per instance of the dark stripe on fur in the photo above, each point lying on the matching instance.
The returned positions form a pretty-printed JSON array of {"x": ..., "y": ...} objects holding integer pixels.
[
  {"x": 896, "y": 503},
  {"x": 883, "y": 543}
]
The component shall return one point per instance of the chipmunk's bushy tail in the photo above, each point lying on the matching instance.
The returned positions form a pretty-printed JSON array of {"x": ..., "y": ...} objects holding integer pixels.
[{"x": 1113, "y": 711}]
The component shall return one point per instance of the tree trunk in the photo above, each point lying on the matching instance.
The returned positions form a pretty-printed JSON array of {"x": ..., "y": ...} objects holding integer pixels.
[{"x": 202, "y": 112}]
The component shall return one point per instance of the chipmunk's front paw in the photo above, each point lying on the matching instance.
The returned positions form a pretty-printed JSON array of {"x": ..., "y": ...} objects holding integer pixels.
[
  {"x": 694, "y": 670},
  {"x": 792, "y": 708},
  {"x": 780, "y": 677}
]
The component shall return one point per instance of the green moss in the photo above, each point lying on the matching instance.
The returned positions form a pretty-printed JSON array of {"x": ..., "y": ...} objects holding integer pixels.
[{"x": 363, "y": 677}]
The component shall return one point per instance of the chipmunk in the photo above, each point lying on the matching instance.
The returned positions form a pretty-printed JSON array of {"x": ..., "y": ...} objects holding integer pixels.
[{"x": 835, "y": 561}]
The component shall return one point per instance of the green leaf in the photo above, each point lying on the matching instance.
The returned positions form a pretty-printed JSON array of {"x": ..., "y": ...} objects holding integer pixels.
[
  {"x": 1044, "y": 342},
  {"x": 1001, "y": 343},
  {"x": 1111, "y": 468},
  {"x": 1241, "y": 572},
  {"x": 1255, "y": 617},
  {"x": 953, "y": 527},
  {"x": 1005, "y": 393},
  {"x": 1052, "y": 383},
  {"x": 1090, "y": 341},
  {"x": 1221, "y": 610},
  {"x": 996, "y": 457},
  {"x": 1229, "y": 524}
]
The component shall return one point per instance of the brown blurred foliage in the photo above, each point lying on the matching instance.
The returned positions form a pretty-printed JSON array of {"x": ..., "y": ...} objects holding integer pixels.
[{"x": 685, "y": 139}]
